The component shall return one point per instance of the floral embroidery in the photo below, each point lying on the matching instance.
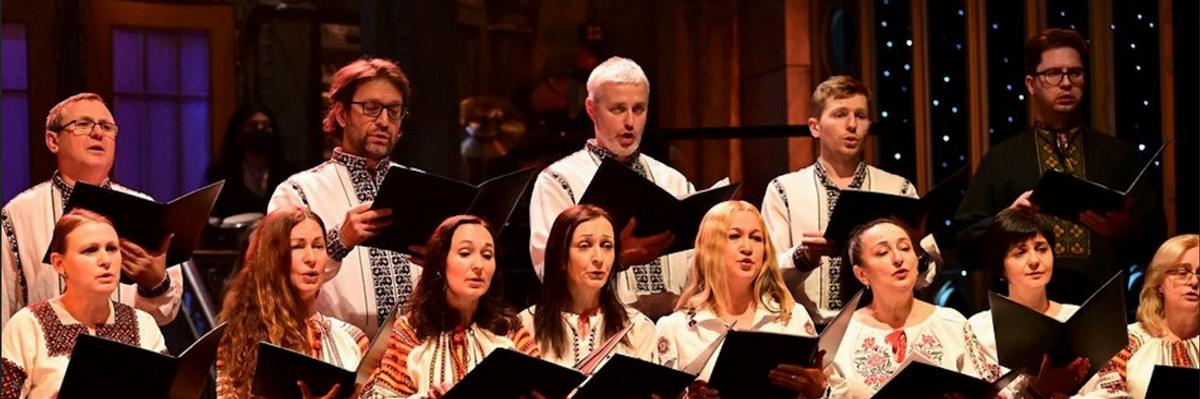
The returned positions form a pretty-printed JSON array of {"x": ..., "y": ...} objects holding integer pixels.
[
  {"x": 988, "y": 370},
  {"x": 929, "y": 347},
  {"x": 12, "y": 379},
  {"x": 873, "y": 363},
  {"x": 663, "y": 345}
]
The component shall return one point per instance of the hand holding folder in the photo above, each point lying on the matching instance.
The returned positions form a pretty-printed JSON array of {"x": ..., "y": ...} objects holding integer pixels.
[
  {"x": 1067, "y": 196},
  {"x": 1097, "y": 331},
  {"x": 278, "y": 369},
  {"x": 101, "y": 368},
  {"x": 744, "y": 365},
  {"x": 627, "y": 195},
  {"x": 147, "y": 223},
  {"x": 421, "y": 201}
]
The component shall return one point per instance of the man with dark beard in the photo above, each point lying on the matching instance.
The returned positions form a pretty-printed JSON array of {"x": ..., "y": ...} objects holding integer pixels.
[{"x": 369, "y": 101}]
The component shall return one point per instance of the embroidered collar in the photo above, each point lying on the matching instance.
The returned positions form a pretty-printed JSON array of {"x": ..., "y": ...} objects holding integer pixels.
[
  {"x": 1069, "y": 136},
  {"x": 67, "y": 189},
  {"x": 860, "y": 175},
  {"x": 352, "y": 162},
  {"x": 602, "y": 153}
]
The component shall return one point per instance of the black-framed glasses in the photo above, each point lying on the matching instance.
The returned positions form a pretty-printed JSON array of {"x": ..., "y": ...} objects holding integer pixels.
[
  {"x": 373, "y": 109},
  {"x": 83, "y": 127},
  {"x": 1055, "y": 75}
]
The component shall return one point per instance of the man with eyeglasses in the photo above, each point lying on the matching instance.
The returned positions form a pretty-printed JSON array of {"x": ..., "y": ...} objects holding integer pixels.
[
  {"x": 369, "y": 99},
  {"x": 1093, "y": 248},
  {"x": 81, "y": 133}
]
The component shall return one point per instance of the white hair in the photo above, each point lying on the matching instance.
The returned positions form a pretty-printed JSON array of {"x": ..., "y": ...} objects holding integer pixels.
[{"x": 616, "y": 70}]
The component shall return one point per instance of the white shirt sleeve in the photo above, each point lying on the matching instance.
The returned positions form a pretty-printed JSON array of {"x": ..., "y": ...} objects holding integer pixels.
[
  {"x": 545, "y": 203},
  {"x": 164, "y": 307},
  {"x": 10, "y": 291}
]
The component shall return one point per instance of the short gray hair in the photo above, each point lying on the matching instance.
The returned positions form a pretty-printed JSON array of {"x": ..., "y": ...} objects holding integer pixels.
[
  {"x": 54, "y": 119},
  {"x": 616, "y": 70}
]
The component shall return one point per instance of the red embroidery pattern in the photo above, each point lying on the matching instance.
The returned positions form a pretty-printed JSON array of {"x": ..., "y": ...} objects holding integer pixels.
[
  {"x": 1181, "y": 355},
  {"x": 60, "y": 338},
  {"x": 873, "y": 363},
  {"x": 990, "y": 371},
  {"x": 1117, "y": 365},
  {"x": 13, "y": 378}
]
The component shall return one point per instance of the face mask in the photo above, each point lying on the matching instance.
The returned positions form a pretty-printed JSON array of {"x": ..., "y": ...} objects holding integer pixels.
[{"x": 258, "y": 140}]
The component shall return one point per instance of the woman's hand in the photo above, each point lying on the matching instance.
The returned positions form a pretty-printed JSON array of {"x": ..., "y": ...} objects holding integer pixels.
[
  {"x": 439, "y": 390},
  {"x": 808, "y": 382},
  {"x": 307, "y": 394},
  {"x": 700, "y": 390},
  {"x": 1065, "y": 380}
]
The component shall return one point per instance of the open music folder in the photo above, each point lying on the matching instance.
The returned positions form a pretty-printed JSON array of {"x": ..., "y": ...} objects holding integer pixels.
[
  {"x": 1066, "y": 196},
  {"x": 627, "y": 195},
  {"x": 421, "y": 201},
  {"x": 100, "y": 368},
  {"x": 145, "y": 222},
  {"x": 278, "y": 368},
  {"x": 1096, "y": 331},
  {"x": 919, "y": 378},
  {"x": 744, "y": 365}
]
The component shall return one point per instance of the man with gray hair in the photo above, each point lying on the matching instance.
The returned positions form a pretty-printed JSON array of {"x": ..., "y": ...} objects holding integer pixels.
[
  {"x": 82, "y": 134},
  {"x": 618, "y": 101}
]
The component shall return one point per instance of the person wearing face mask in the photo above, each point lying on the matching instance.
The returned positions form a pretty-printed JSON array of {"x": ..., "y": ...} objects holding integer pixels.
[
  {"x": 1020, "y": 253},
  {"x": 1095, "y": 246},
  {"x": 797, "y": 205},
  {"x": 455, "y": 319},
  {"x": 37, "y": 342},
  {"x": 735, "y": 279},
  {"x": 251, "y": 163},
  {"x": 82, "y": 134},
  {"x": 273, "y": 299},
  {"x": 1167, "y": 331},
  {"x": 894, "y": 325},
  {"x": 618, "y": 101},
  {"x": 370, "y": 99},
  {"x": 579, "y": 309}
]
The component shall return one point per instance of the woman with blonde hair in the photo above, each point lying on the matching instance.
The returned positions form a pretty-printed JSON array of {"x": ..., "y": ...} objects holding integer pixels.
[
  {"x": 38, "y": 340},
  {"x": 734, "y": 279},
  {"x": 273, "y": 299},
  {"x": 1167, "y": 331}
]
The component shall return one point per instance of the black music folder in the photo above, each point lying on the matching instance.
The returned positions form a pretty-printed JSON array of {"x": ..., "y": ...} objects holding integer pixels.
[
  {"x": 1167, "y": 382},
  {"x": 856, "y": 207},
  {"x": 745, "y": 362},
  {"x": 508, "y": 374},
  {"x": 1066, "y": 196},
  {"x": 145, "y": 222},
  {"x": 1096, "y": 331},
  {"x": 624, "y": 377},
  {"x": 101, "y": 368},
  {"x": 278, "y": 369},
  {"x": 626, "y": 194},
  {"x": 918, "y": 378},
  {"x": 421, "y": 201}
]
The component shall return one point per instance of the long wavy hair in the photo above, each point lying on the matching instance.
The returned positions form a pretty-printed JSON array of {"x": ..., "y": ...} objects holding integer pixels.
[
  {"x": 709, "y": 283},
  {"x": 551, "y": 336},
  {"x": 1151, "y": 312},
  {"x": 429, "y": 311},
  {"x": 262, "y": 304}
]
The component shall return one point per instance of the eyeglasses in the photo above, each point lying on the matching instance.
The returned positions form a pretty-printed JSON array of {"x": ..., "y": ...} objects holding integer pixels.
[
  {"x": 1182, "y": 275},
  {"x": 83, "y": 127},
  {"x": 1055, "y": 76},
  {"x": 373, "y": 109}
]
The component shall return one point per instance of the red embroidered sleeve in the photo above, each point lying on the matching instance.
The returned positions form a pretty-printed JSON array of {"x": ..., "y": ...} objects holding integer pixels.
[
  {"x": 13, "y": 379},
  {"x": 392, "y": 373},
  {"x": 523, "y": 342},
  {"x": 1112, "y": 375}
]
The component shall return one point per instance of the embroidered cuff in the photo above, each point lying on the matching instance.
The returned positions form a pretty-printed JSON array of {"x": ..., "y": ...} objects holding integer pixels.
[
  {"x": 800, "y": 260},
  {"x": 158, "y": 290},
  {"x": 334, "y": 246}
]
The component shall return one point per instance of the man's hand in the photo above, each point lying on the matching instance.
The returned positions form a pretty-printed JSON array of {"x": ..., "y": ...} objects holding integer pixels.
[
  {"x": 332, "y": 394},
  {"x": 656, "y": 305},
  {"x": 362, "y": 223},
  {"x": 700, "y": 390},
  {"x": 418, "y": 254},
  {"x": 1111, "y": 225},
  {"x": 145, "y": 268},
  {"x": 642, "y": 250},
  {"x": 1023, "y": 202}
]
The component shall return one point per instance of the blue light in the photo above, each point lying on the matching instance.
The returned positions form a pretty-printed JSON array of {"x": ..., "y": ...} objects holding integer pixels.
[
  {"x": 1072, "y": 26},
  {"x": 884, "y": 114},
  {"x": 1141, "y": 147},
  {"x": 958, "y": 46},
  {"x": 883, "y": 23},
  {"x": 904, "y": 89},
  {"x": 1010, "y": 119},
  {"x": 1139, "y": 16},
  {"x": 908, "y": 42},
  {"x": 889, "y": 44},
  {"x": 1132, "y": 45},
  {"x": 954, "y": 110},
  {"x": 935, "y": 103},
  {"x": 1146, "y": 103},
  {"x": 946, "y": 79},
  {"x": 1005, "y": 60},
  {"x": 945, "y": 138},
  {"x": 886, "y": 73},
  {"x": 948, "y": 224},
  {"x": 897, "y": 156},
  {"x": 1008, "y": 87},
  {"x": 995, "y": 26},
  {"x": 907, "y": 67},
  {"x": 1138, "y": 67},
  {"x": 962, "y": 157},
  {"x": 1021, "y": 97},
  {"x": 1062, "y": 13}
]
